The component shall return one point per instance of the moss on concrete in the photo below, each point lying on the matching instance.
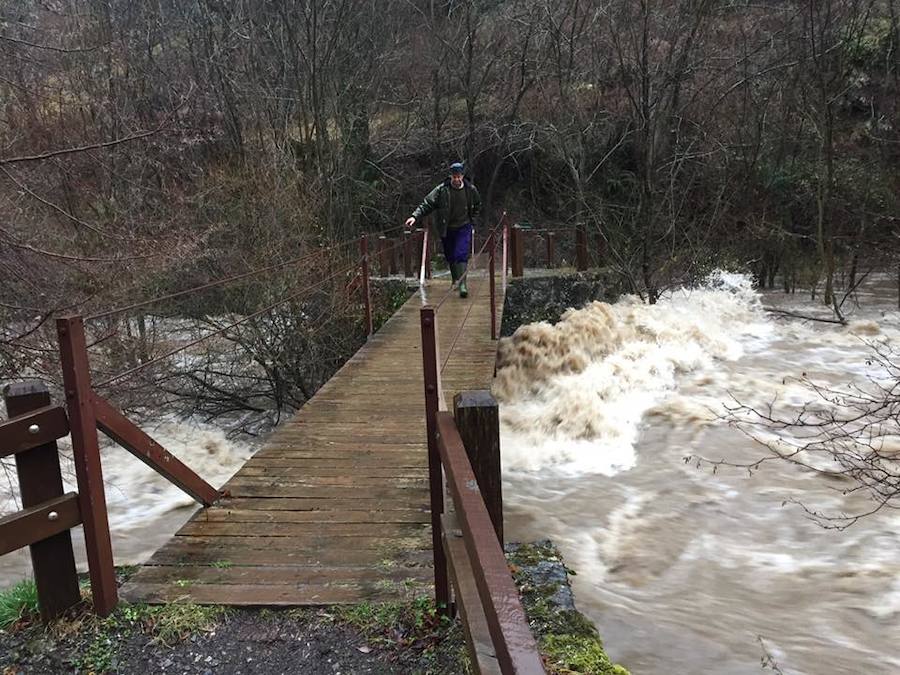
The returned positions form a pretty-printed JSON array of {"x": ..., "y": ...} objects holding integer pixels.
[{"x": 568, "y": 640}]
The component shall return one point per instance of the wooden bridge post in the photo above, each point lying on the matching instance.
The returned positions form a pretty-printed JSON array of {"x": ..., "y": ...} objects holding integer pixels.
[
  {"x": 551, "y": 250},
  {"x": 504, "y": 257},
  {"x": 367, "y": 294},
  {"x": 429, "y": 249},
  {"x": 581, "y": 253},
  {"x": 40, "y": 480},
  {"x": 86, "y": 452},
  {"x": 407, "y": 255},
  {"x": 393, "y": 256},
  {"x": 382, "y": 253},
  {"x": 430, "y": 365},
  {"x": 511, "y": 244},
  {"x": 478, "y": 419},
  {"x": 518, "y": 251},
  {"x": 492, "y": 248},
  {"x": 425, "y": 259}
]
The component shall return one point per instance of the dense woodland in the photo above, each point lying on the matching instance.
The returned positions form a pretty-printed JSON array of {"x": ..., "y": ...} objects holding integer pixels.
[{"x": 149, "y": 146}]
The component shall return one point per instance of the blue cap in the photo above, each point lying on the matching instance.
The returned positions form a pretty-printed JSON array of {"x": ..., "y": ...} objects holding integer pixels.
[{"x": 457, "y": 167}]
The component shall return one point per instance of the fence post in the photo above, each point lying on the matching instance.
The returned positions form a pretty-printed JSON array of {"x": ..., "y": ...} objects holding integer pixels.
[
  {"x": 518, "y": 251},
  {"x": 551, "y": 250},
  {"x": 367, "y": 295},
  {"x": 492, "y": 246},
  {"x": 429, "y": 249},
  {"x": 513, "y": 232},
  {"x": 425, "y": 260},
  {"x": 581, "y": 255},
  {"x": 432, "y": 379},
  {"x": 381, "y": 265},
  {"x": 393, "y": 256},
  {"x": 407, "y": 255},
  {"x": 478, "y": 419},
  {"x": 505, "y": 255},
  {"x": 40, "y": 480},
  {"x": 86, "y": 452}
]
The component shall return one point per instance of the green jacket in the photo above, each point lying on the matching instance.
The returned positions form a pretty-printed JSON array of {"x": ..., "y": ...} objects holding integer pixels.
[{"x": 438, "y": 202}]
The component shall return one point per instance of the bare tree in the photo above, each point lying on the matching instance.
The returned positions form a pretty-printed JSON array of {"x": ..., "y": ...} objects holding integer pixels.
[{"x": 850, "y": 433}]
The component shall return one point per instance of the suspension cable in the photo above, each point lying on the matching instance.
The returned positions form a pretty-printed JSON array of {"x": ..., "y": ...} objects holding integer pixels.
[
  {"x": 225, "y": 280},
  {"x": 211, "y": 284},
  {"x": 162, "y": 357}
]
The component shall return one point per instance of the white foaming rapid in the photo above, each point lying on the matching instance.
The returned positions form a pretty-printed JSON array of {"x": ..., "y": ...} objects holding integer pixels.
[
  {"x": 678, "y": 563},
  {"x": 573, "y": 394},
  {"x": 137, "y": 497}
]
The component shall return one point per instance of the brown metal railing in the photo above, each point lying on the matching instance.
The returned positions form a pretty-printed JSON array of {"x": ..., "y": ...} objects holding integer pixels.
[
  {"x": 472, "y": 576},
  {"x": 544, "y": 243}
]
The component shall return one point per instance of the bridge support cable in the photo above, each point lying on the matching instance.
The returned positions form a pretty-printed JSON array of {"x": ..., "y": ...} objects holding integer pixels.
[
  {"x": 319, "y": 252},
  {"x": 225, "y": 329}
]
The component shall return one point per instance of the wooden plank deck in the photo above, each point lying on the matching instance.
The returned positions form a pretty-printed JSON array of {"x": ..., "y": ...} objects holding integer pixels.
[{"x": 334, "y": 509}]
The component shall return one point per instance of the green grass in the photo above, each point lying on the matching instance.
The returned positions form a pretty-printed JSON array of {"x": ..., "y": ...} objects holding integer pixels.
[
  {"x": 18, "y": 603},
  {"x": 387, "y": 622},
  {"x": 166, "y": 624},
  {"x": 412, "y": 628},
  {"x": 174, "y": 622}
]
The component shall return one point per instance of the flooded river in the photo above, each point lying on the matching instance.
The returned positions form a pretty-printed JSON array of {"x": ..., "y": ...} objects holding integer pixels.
[{"x": 683, "y": 569}]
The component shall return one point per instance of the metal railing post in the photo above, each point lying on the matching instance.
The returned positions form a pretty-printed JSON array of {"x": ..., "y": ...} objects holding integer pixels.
[
  {"x": 86, "y": 453},
  {"x": 581, "y": 253},
  {"x": 367, "y": 295},
  {"x": 429, "y": 247},
  {"x": 425, "y": 262},
  {"x": 551, "y": 250},
  {"x": 393, "y": 256},
  {"x": 517, "y": 242},
  {"x": 407, "y": 255},
  {"x": 505, "y": 256},
  {"x": 381, "y": 253},
  {"x": 432, "y": 379},
  {"x": 492, "y": 245}
]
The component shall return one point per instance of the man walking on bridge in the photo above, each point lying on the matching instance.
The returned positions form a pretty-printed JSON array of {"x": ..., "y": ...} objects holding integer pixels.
[{"x": 455, "y": 203}]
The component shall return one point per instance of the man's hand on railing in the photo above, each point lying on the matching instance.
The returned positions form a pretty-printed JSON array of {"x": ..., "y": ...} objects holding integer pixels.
[{"x": 409, "y": 223}]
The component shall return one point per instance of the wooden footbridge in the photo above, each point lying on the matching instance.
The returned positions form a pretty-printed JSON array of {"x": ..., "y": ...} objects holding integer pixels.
[
  {"x": 335, "y": 507},
  {"x": 344, "y": 504}
]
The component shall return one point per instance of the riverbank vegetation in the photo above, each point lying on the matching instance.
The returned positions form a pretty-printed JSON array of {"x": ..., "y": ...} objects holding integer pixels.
[
  {"x": 394, "y": 637},
  {"x": 150, "y": 149},
  {"x": 153, "y": 147}
]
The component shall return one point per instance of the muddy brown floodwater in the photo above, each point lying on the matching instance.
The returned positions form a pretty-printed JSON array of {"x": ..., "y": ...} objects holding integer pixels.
[{"x": 686, "y": 570}]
